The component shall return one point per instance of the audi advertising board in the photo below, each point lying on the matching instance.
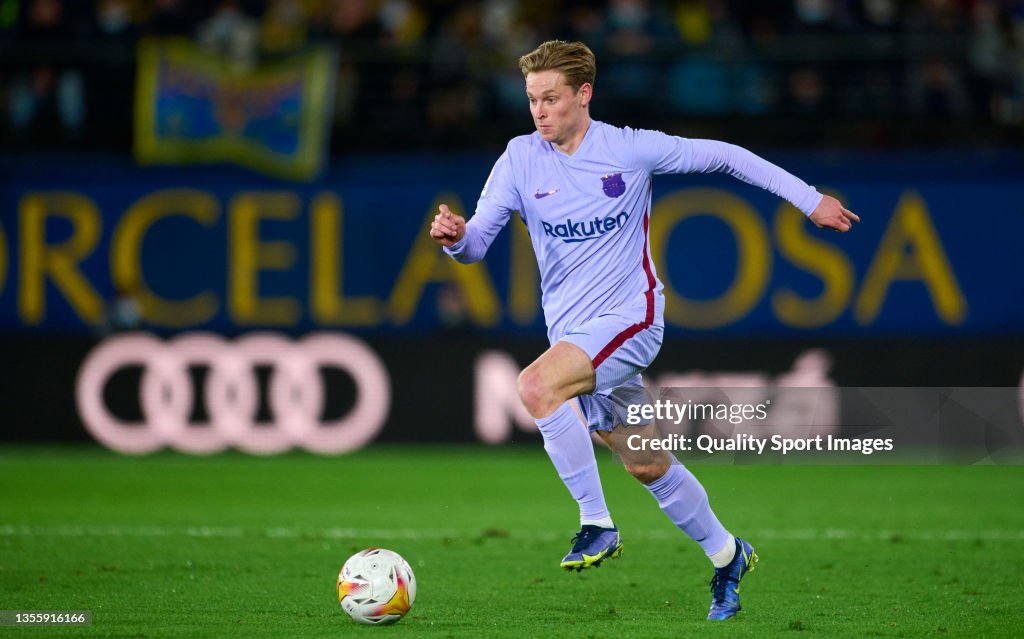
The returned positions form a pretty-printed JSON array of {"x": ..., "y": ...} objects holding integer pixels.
[{"x": 330, "y": 393}]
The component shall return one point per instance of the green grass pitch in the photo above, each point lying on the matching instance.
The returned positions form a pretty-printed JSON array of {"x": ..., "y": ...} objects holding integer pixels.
[{"x": 176, "y": 546}]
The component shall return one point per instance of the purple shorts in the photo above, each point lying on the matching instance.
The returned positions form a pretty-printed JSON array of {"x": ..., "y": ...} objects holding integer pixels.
[{"x": 621, "y": 345}]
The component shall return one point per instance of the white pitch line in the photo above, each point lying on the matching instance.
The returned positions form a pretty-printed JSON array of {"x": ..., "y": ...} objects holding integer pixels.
[{"x": 388, "y": 534}]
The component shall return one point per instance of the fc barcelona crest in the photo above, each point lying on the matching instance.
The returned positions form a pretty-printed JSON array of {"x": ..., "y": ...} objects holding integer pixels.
[{"x": 613, "y": 185}]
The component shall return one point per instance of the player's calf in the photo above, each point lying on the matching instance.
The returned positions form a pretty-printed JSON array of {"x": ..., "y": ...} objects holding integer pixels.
[
  {"x": 645, "y": 465},
  {"x": 647, "y": 473}
]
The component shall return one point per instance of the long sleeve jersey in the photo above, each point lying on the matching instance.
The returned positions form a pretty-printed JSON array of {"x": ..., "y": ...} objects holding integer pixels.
[{"x": 588, "y": 213}]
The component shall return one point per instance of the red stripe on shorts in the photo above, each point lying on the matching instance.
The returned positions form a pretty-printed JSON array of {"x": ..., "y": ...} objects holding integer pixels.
[{"x": 621, "y": 338}]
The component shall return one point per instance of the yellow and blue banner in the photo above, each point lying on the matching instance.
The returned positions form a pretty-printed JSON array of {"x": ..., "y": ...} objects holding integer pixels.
[
  {"x": 192, "y": 106},
  {"x": 222, "y": 249}
]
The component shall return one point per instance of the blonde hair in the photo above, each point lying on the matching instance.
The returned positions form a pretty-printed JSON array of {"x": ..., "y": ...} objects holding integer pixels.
[{"x": 573, "y": 59}]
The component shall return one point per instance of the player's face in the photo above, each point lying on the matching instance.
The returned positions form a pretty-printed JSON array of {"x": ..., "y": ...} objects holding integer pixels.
[{"x": 559, "y": 113}]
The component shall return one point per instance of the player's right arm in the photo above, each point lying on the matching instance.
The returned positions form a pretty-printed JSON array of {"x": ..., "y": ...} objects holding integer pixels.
[
  {"x": 467, "y": 242},
  {"x": 447, "y": 229}
]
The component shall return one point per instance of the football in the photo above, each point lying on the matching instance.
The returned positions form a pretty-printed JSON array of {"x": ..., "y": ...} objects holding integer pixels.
[{"x": 376, "y": 586}]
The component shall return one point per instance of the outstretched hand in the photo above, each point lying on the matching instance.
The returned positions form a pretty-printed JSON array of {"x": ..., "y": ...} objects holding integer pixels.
[
  {"x": 447, "y": 227},
  {"x": 830, "y": 214}
]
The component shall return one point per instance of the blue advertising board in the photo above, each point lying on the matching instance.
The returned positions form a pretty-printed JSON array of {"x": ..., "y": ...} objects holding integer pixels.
[{"x": 937, "y": 252}]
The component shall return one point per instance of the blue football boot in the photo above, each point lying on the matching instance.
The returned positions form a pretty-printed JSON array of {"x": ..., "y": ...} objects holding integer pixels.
[
  {"x": 590, "y": 546},
  {"x": 725, "y": 585}
]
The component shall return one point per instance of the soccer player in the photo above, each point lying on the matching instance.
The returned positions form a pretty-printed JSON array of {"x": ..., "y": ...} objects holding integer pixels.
[{"x": 583, "y": 189}]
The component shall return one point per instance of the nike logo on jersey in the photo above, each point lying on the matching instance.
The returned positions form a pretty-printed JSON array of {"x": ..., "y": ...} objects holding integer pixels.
[{"x": 543, "y": 194}]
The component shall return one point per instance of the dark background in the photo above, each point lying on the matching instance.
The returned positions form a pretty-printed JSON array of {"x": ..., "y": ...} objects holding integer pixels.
[{"x": 877, "y": 99}]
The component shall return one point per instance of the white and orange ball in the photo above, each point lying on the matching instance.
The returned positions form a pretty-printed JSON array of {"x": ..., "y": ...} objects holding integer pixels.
[{"x": 376, "y": 586}]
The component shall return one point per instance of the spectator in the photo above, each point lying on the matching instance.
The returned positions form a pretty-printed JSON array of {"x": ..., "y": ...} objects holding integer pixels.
[
  {"x": 52, "y": 89},
  {"x": 935, "y": 83},
  {"x": 411, "y": 72},
  {"x": 115, "y": 20},
  {"x": 364, "y": 65},
  {"x": 455, "y": 64},
  {"x": 997, "y": 61},
  {"x": 403, "y": 21},
  {"x": 230, "y": 33},
  {"x": 872, "y": 87},
  {"x": 634, "y": 32}
]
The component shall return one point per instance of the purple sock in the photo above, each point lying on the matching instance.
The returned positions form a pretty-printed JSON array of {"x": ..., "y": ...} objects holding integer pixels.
[
  {"x": 568, "y": 444},
  {"x": 685, "y": 501}
]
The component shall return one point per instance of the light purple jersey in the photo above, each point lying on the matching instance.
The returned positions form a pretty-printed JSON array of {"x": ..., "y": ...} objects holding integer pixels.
[{"x": 587, "y": 214}]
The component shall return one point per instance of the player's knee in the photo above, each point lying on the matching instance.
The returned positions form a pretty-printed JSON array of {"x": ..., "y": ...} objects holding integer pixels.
[
  {"x": 647, "y": 473},
  {"x": 535, "y": 395}
]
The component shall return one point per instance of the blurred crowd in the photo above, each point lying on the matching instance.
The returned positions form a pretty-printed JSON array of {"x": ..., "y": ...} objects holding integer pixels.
[{"x": 423, "y": 73}]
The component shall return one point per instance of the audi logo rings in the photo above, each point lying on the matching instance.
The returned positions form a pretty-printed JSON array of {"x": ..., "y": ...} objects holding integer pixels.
[{"x": 295, "y": 393}]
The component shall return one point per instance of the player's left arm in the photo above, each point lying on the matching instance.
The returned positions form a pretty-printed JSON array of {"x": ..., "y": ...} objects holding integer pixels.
[
  {"x": 831, "y": 214},
  {"x": 661, "y": 153},
  {"x": 824, "y": 210}
]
